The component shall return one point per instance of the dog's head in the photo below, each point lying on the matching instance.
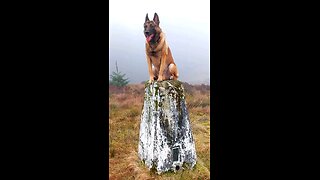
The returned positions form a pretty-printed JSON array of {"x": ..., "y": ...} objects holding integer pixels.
[{"x": 151, "y": 28}]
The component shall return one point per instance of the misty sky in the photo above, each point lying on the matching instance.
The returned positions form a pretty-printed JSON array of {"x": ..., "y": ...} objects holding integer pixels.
[{"x": 186, "y": 25}]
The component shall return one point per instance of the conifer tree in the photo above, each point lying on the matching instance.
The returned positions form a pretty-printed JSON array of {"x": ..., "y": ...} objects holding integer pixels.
[{"x": 118, "y": 79}]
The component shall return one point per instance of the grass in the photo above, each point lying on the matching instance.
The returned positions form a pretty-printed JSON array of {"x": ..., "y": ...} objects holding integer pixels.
[{"x": 125, "y": 107}]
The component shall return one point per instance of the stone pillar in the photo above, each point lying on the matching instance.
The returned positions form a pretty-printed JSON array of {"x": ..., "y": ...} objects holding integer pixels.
[{"x": 165, "y": 140}]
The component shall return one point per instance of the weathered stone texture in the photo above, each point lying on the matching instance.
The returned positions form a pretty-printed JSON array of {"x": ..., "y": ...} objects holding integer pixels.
[{"x": 166, "y": 141}]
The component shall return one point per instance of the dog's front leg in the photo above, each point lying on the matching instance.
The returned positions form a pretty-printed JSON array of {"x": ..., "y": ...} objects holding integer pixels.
[
  {"x": 163, "y": 65},
  {"x": 151, "y": 75}
]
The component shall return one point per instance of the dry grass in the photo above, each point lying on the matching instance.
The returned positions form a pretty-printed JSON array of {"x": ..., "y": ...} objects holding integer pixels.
[{"x": 125, "y": 107}]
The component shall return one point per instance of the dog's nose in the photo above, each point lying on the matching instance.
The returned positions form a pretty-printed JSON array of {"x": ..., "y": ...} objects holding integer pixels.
[{"x": 147, "y": 32}]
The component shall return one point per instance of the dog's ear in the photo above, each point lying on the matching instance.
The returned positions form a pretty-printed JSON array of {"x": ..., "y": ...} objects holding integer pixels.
[
  {"x": 156, "y": 19},
  {"x": 147, "y": 18}
]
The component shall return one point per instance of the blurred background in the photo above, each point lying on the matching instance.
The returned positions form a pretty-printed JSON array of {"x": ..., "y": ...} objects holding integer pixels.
[{"x": 187, "y": 28}]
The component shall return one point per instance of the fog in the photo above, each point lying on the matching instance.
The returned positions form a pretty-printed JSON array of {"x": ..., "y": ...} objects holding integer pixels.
[{"x": 187, "y": 29}]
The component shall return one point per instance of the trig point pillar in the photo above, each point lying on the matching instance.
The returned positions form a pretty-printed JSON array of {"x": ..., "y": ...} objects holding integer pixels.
[{"x": 165, "y": 140}]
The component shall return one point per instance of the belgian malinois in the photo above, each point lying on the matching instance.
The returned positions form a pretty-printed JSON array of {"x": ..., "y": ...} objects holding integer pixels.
[{"x": 158, "y": 52}]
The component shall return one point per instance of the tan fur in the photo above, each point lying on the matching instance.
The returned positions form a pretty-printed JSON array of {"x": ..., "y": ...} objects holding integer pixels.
[{"x": 160, "y": 60}]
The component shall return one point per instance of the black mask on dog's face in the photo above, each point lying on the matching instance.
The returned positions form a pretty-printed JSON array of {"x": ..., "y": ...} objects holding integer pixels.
[{"x": 149, "y": 27}]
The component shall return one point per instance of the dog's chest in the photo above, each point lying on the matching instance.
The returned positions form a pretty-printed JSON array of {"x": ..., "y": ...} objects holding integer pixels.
[
  {"x": 155, "y": 57},
  {"x": 155, "y": 60}
]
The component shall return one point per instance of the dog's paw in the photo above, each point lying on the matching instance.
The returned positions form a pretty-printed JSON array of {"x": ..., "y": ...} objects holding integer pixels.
[{"x": 160, "y": 78}]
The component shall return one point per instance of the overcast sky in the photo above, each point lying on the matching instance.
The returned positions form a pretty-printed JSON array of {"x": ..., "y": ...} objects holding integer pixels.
[{"x": 186, "y": 25}]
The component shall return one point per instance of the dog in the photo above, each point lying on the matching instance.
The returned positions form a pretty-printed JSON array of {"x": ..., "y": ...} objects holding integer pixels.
[{"x": 161, "y": 65}]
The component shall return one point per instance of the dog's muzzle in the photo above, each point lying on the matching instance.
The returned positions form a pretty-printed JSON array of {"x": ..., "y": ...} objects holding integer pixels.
[{"x": 149, "y": 36}]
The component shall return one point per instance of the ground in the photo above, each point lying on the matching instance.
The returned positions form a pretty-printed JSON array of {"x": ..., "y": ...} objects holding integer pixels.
[{"x": 125, "y": 105}]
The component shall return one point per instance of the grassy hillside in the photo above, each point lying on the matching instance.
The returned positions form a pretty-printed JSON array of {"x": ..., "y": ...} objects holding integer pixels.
[{"x": 125, "y": 105}]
